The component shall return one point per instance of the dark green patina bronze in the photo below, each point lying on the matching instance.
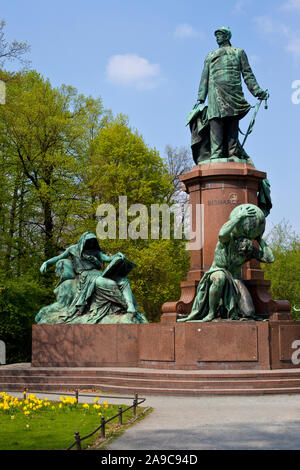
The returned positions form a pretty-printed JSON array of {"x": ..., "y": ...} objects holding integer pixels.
[
  {"x": 221, "y": 293},
  {"x": 87, "y": 293},
  {"x": 215, "y": 127}
]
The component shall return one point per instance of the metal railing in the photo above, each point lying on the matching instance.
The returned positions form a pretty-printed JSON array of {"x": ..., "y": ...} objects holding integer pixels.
[
  {"x": 77, "y": 442},
  {"x": 136, "y": 402}
]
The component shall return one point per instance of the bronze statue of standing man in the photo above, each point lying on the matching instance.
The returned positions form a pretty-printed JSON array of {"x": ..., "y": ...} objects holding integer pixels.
[{"x": 221, "y": 83}]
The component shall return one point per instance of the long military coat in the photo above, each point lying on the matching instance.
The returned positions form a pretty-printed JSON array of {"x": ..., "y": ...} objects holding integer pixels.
[{"x": 221, "y": 81}]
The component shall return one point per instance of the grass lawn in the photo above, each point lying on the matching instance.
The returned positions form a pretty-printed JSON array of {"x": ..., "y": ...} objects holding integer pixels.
[{"x": 37, "y": 424}]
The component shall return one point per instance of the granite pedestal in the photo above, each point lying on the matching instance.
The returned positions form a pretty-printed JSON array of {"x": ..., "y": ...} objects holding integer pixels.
[
  {"x": 219, "y": 188},
  {"x": 228, "y": 345}
]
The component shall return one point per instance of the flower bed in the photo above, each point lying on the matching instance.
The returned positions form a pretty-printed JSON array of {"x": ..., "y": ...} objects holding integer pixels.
[{"x": 35, "y": 423}]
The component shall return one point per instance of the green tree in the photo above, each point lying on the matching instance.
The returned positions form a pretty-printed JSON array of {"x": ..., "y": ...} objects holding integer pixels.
[
  {"x": 284, "y": 273},
  {"x": 120, "y": 163},
  {"x": 20, "y": 299},
  {"x": 44, "y": 137}
]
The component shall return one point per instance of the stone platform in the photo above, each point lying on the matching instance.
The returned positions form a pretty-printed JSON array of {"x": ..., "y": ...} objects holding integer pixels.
[
  {"x": 230, "y": 345},
  {"x": 125, "y": 380},
  {"x": 183, "y": 359}
]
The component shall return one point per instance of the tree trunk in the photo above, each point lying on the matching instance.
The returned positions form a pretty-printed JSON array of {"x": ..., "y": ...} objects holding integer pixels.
[
  {"x": 11, "y": 231},
  {"x": 49, "y": 226},
  {"x": 20, "y": 229}
]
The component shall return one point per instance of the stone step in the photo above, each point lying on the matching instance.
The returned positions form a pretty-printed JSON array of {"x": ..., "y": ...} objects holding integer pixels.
[
  {"x": 183, "y": 382},
  {"x": 155, "y": 374},
  {"x": 9, "y": 387},
  {"x": 143, "y": 380},
  {"x": 162, "y": 383}
]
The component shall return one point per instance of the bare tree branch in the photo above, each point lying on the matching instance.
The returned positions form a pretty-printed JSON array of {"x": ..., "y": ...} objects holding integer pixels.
[{"x": 12, "y": 51}]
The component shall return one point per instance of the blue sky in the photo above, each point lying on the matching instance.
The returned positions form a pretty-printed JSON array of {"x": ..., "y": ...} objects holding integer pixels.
[{"x": 145, "y": 58}]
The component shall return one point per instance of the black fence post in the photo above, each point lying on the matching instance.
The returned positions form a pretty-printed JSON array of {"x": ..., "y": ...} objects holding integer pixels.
[
  {"x": 120, "y": 415},
  {"x": 135, "y": 402},
  {"x": 76, "y": 395},
  {"x": 102, "y": 426},
  {"x": 77, "y": 439}
]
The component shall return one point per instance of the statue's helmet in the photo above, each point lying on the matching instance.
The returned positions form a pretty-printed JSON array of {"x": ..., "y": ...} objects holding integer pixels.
[{"x": 226, "y": 31}]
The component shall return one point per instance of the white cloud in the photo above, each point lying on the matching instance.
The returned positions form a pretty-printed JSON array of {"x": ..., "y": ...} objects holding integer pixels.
[
  {"x": 185, "y": 30},
  {"x": 240, "y": 6},
  {"x": 131, "y": 69},
  {"x": 294, "y": 47},
  {"x": 267, "y": 25},
  {"x": 292, "y": 5}
]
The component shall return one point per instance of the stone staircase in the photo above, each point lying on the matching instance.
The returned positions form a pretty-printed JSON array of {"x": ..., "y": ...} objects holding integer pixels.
[{"x": 16, "y": 377}]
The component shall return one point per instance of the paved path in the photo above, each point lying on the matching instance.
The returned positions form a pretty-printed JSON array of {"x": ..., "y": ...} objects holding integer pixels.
[
  {"x": 207, "y": 423},
  {"x": 254, "y": 423}
]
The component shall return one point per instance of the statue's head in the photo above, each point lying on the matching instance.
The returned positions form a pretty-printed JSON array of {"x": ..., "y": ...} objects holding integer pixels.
[
  {"x": 223, "y": 35},
  {"x": 251, "y": 227},
  {"x": 87, "y": 242}
]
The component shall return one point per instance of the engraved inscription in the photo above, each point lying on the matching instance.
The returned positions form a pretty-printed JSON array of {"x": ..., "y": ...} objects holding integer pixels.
[
  {"x": 232, "y": 199},
  {"x": 218, "y": 202}
]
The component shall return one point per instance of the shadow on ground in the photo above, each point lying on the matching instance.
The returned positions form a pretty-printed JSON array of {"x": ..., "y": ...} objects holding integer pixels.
[{"x": 228, "y": 437}]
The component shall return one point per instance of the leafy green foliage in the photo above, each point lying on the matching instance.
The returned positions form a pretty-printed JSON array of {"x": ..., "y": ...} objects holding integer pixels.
[
  {"x": 284, "y": 273},
  {"x": 20, "y": 300},
  {"x": 161, "y": 266},
  {"x": 44, "y": 132}
]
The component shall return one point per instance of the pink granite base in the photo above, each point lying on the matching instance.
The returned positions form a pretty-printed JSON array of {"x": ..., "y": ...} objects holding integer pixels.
[{"x": 183, "y": 346}]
